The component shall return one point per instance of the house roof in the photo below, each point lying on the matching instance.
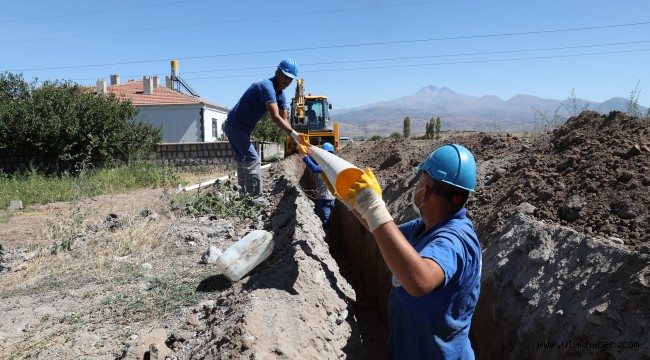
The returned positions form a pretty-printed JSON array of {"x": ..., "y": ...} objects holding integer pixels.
[{"x": 134, "y": 90}]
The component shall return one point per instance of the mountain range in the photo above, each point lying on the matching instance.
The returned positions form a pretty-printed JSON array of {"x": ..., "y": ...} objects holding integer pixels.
[{"x": 466, "y": 112}]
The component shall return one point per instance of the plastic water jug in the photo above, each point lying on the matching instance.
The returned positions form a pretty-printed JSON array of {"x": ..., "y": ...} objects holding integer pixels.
[{"x": 244, "y": 255}]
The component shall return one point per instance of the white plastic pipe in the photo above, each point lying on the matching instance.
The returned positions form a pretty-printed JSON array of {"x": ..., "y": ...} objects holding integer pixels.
[
  {"x": 210, "y": 182},
  {"x": 340, "y": 173}
]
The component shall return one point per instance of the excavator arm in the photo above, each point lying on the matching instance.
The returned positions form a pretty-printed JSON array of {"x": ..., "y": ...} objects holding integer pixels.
[
  {"x": 300, "y": 99},
  {"x": 315, "y": 131}
]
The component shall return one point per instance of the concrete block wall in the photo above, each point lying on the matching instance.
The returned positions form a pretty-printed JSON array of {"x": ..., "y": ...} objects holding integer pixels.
[
  {"x": 182, "y": 156},
  {"x": 11, "y": 162},
  {"x": 189, "y": 156}
]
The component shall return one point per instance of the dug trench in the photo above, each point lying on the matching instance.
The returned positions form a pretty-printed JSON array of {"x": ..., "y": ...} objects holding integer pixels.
[{"x": 563, "y": 222}]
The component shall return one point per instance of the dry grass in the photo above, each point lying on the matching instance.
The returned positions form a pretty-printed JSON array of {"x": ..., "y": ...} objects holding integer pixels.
[
  {"x": 95, "y": 251},
  {"x": 105, "y": 280},
  {"x": 102, "y": 291},
  {"x": 203, "y": 175}
]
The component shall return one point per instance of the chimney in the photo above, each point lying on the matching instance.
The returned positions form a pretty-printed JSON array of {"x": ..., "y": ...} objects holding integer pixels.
[
  {"x": 101, "y": 87},
  {"x": 156, "y": 81},
  {"x": 115, "y": 79},
  {"x": 148, "y": 85},
  {"x": 168, "y": 82}
]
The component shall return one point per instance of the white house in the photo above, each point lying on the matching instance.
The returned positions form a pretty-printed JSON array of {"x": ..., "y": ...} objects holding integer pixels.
[{"x": 184, "y": 118}]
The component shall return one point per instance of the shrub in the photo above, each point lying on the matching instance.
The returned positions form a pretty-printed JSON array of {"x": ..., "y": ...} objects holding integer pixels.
[{"x": 66, "y": 125}]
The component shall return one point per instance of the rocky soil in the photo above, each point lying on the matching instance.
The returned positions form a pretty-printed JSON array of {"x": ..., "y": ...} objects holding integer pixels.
[{"x": 563, "y": 219}]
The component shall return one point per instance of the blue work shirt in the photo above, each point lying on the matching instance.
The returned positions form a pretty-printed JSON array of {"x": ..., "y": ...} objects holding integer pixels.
[
  {"x": 436, "y": 325},
  {"x": 251, "y": 107},
  {"x": 322, "y": 191}
]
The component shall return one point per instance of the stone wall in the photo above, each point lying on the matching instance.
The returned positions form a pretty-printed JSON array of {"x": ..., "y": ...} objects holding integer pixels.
[
  {"x": 188, "y": 156},
  {"x": 11, "y": 161},
  {"x": 183, "y": 156}
]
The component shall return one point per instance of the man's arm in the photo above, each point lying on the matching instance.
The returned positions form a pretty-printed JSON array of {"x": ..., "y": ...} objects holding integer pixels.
[
  {"x": 418, "y": 275},
  {"x": 279, "y": 117},
  {"x": 312, "y": 165}
]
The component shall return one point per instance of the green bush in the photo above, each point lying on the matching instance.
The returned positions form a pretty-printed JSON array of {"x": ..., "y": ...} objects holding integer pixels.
[
  {"x": 68, "y": 125},
  {"x": 267, "y": 130}
]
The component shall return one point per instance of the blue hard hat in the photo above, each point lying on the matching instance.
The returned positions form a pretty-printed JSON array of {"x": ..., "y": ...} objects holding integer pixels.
[
  {"x": 328, "y": 147},
  {"x": 289, "y": 67},
  {"x": 452, "y": 164}
]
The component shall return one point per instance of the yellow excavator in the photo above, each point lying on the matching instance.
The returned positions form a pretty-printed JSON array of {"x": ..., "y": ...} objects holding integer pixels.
[{"x": 310, "y": 115}]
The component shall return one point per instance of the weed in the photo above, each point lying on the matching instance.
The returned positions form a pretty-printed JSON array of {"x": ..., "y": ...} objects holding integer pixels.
[
  {"x": 573, "y": 105},
  {"x": 223, "y": 200},
  {"x": 543, "y": 122},
  {"x": 5, "y": 216},
  {"x": 633, "y": 108}
]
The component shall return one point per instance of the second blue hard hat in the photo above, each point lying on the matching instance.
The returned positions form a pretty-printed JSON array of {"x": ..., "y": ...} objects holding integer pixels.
[
  {"x": 452, "y": 164},
  {"x": 289, "y": 67},
  {"x": 328, "y": 147}
]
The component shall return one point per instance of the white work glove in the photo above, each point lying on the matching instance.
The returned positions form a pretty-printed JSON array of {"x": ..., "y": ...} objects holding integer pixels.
[{"x": 365, "y": 198}]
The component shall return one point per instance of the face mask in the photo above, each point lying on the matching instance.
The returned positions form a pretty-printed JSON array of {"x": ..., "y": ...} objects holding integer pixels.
[{"x": 413, "y": 205}]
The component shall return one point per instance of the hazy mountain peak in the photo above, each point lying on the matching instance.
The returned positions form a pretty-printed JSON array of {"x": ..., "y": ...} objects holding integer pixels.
[
  {"x": 460, "y": 111},
  {"x": 428, "y": 90}
]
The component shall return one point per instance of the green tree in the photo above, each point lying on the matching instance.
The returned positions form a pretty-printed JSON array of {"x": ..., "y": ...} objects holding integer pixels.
[
  {"x": 395, "y": 135},
  {"x": 438, "y": 127},
  {"x": 430, "y": 129},
  {"x": 66, "y": 124},
  {"x": 407, "y": 127},
  {"x": 267, "y": 130}
]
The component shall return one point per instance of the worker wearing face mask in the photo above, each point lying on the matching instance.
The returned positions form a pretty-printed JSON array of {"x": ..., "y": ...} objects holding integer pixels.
[{"x": 435, "y": 259}]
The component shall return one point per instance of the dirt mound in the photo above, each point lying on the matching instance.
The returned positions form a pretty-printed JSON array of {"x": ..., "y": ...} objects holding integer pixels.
[{"x": 590, "y": 174}]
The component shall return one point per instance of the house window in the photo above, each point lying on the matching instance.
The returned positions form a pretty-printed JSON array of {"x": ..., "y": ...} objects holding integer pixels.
[{"x": 215, "y": 128}]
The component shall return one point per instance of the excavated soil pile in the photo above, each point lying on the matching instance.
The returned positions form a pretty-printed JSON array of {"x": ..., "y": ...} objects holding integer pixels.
[{"x": 591, "y": 174}]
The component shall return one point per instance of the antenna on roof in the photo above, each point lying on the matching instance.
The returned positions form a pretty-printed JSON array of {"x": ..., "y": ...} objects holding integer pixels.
[{"x": 177, "y": 81}]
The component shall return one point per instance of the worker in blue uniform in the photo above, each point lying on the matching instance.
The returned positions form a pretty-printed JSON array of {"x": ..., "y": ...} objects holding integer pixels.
[
  {"x": 324, "y": 199},
  {"x": 435, "y": 260},
  {"x": 261, "y": 97}
]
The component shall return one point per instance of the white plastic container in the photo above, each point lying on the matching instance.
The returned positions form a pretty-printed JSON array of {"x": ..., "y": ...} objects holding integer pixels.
[{"x": 244, "y": 255}]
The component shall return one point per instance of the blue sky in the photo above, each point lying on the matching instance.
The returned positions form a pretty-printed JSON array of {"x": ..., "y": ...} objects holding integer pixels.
[{"x": 356, "y": 53}]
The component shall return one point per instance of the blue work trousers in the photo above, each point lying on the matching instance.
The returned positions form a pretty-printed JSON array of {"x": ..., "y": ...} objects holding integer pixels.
[
  {"x": 324, "y": 211},
  {"x": 240, "y": 142}
]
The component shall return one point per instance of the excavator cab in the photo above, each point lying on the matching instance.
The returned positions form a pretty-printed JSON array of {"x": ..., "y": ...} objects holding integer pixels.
[
  {"x": 315, "y": 116},
  {"x": 310, "y": 115}
]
